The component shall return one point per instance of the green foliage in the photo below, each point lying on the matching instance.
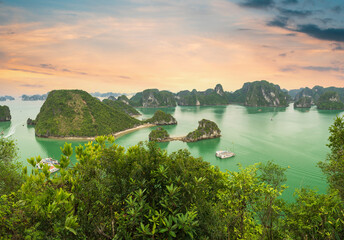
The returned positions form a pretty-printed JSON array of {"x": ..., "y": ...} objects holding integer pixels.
[
  {"x": 161, "y": 118},
  {"x": 260, "y": 93},
  {"x": 333, "y": 167},
  {"x": 153, "y": 98},
  {"x": 121, "y": 106},
  {"x": 144, "y": 193},
  {"x": 315, "y": 216},
  {"x": 206, "y": 129},
  {"x": 303, "y": 102},
  {"x": 158, "y": 134},
  {"x": 5, "y": 114},
  {"x": 330, "y": 101},
  {"x": 69, "y": 113},
  {"x": 10, "y": 177}
]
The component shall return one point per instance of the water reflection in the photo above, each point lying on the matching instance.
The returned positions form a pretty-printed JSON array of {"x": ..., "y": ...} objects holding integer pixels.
[
  {"x": 52, "y": 147},
  {"x": 204, "y": 147},
  {"x": 255, "y": 110},
  {"x": 303, "y": 110},
  {"x": 330, "y": 112}
]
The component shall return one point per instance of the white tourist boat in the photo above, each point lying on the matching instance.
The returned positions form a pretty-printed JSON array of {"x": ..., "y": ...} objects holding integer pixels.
[
  {"x": 50, "y": 162},
  {"x": 224, "y": 154}
]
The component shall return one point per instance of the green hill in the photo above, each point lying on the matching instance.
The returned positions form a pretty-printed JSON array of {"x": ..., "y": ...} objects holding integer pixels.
[
  {"x": 260, "y": 94},
  {"x": 206, "y": 129},
  {"x": 161, "y": 118},
  {"x": 153, "y": 98},
  {"x": 5, "y": 114},
  {"x": 214, "y": 96},
  {"x": 330, "y": 101},
  {"x": 121, "y": 106},
  {"x": 75, "y": 113}
]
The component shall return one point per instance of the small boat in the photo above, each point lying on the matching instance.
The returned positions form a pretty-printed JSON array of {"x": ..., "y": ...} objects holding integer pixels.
[
  {"x": 50, "y": 162},
  {"x": 224, "y": 154}
]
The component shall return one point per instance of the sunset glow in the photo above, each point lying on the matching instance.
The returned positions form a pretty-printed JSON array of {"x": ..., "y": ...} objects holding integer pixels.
[{"x": 128, "y": 46}]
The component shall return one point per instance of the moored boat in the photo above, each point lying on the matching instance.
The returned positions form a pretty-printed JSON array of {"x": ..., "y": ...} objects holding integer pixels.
[
  {"x": 224, "y": 154},
  {"x": 50, "y": 162}
]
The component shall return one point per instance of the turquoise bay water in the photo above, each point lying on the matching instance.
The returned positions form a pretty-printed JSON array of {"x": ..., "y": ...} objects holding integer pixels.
[{"x": 292, "y": 138}]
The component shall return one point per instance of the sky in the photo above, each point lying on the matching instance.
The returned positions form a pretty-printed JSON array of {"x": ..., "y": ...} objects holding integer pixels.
[{"x": 130, "y": 45}]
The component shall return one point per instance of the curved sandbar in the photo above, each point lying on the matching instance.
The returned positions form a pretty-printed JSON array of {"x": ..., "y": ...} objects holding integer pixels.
[{"x": 116, "y": 135}]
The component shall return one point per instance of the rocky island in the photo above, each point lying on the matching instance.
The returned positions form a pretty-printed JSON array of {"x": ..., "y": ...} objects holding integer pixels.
[
  {"x": 35, "y": 97},
  {"x": 4, "y": 98},
  {"x": 75, "y": 113},
  {"x": 260, "y": 94},
  {"x": 161, "y": 118},
  {"x": 330, "y": 101},
  {"x": 206, "y": 130},
  {"x": 330, "y": 98},
  {"x": 303, "y": 102},
  {"x": 153, "y": 98},
  {"x": 159, "y": 135},
  {"x": 5, "y": 114}
]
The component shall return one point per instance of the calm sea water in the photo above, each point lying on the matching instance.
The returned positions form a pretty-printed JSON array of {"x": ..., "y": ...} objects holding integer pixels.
[{"x": 292, "y": 138}]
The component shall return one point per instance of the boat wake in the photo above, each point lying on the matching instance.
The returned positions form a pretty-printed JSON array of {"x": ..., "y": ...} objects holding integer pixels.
[{"x": 12, "y": 130}]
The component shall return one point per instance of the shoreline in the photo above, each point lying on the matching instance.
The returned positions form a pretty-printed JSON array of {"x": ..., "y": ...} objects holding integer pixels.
[{"x": 116, "y": 135}]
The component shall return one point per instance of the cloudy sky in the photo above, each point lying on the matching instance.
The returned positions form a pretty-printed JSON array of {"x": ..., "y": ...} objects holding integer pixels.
[{"x": 131, "y": 45}]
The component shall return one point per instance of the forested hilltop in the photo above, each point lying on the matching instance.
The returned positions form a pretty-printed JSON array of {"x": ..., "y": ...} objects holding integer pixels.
[
  {"x": 330, "y": 98},
  {"x": 259, "y": 93},
  {"x": 75, "y": 113},
  {"x": 145, "y": 193}
]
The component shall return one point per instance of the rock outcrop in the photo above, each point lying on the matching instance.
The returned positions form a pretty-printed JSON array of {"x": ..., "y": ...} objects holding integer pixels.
[
  {"x": 260, "y": 94},
  {"x": 153, "y": 98},
  {"x": 5, "y": 114},
  {"x": 161, "y": 118},
  {"x": 206, "y": 130},
  {"x": 304, "y": 102},
  {"x": 30, "y": 122},
  {"x": 330, "y": 101}
]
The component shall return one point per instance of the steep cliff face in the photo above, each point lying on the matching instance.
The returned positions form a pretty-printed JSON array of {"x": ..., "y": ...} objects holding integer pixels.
[
  {"x": 260, "y": 94},
  {"x": 206, "y": 130},
  {"x": 5, "y": 114},
  {"x": 263, "y": 93},
  {"x": 161, "y": 118},
  {"x": 304, "y": 102},
  {"x": 153, "y": 98},
  {"x": 330, "y": 101},
  {"x": 209, "y": 97},
  {"x": 321, "y": 97}
]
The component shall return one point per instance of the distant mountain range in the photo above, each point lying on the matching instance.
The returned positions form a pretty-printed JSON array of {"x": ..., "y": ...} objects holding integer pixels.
[
  {"x": 4, "y": 98},
  {"x": 257, "y": 94},
  {"x": 35, "y": 97}
]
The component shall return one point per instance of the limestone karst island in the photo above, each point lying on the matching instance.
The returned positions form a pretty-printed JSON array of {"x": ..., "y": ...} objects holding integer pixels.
[{"x": 172, "y": 120}]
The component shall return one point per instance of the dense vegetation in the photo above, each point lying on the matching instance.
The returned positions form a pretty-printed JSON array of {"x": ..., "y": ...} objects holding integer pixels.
[
  {"x": 69, "y": 113},
  {"x": 161, "y": 118},
  {"x": 145, "y": 193},
  {"x": 153, "y": 98},
  {"x": 206, "y": 129},
  {"x": 214, "y": 96},
  {"x": 303, "y": 102},
  {"x": 260, "y": 93},
  {"x": 158, "y": 135},
  {"x": 330, "y": 101},
  {"x": 5, "y": 114},
  {"x": 121, "y": 106}
]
